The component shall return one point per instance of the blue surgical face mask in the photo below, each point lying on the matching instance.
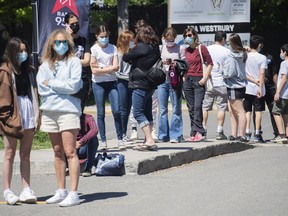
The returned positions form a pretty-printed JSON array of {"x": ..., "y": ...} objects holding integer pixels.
[
  {"x": 61, "y": 48},
  {"x": 22, "y": 57},
  {"x": 131, "y": 44},
  {"x": 189, "y": 40},
  {"x": 103, "y": 41},
  {"x": 282, "y": 57}
]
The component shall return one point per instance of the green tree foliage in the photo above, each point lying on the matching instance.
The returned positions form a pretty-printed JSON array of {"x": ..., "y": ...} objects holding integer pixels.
[
  {"x": 137, "y": 2},
  {"x": 265, "y": 13},
  {"x": 15, "y": 11}
]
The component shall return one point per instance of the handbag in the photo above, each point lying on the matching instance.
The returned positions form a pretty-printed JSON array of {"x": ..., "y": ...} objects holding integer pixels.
[
  {"x": 110, "y": 165},
  {"x": 209, "y": 83},
  {"x": 156, "y": 74},
  {"x": 10, "y": 122}
]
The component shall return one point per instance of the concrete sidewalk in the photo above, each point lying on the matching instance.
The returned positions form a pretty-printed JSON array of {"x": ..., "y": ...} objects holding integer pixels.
[{"x": 168, "y": 155}]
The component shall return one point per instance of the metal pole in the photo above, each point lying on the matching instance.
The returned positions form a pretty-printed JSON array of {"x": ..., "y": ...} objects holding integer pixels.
[
  {"x": 35, "y": 35},
  {"x": 123, "y": 15}
]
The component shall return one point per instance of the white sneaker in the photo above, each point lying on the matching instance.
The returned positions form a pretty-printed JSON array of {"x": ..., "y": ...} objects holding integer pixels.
[
  {"x": 133, "y": 135},
  {"x": 174, "y": 141},
  {"x": 10, "y": 197},
  {"x": 27, "y": 196},
  {"x": 103, "y": 146},
  {"x": 71, "y": 200},
  {"x": 121, "y": 145},
  {"x": 58, "y": 197},
  {"x": 154, "y": 134},
  {"x": 126, "y": 140}
]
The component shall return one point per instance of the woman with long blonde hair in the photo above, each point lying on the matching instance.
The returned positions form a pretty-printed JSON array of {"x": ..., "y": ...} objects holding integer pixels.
[{"x": 58, "y": 78}]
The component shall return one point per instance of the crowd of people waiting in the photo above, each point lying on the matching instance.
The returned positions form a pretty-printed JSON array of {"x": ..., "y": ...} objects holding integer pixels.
[{"x": 243, "y": 78}]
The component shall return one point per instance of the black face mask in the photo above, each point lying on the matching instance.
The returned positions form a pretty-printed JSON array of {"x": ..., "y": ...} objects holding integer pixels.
[{"x": 75, "y": 28}]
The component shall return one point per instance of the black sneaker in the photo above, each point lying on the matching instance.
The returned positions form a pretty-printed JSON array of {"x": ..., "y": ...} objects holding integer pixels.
[
  {"x": 220, "y": 136},
  {"x": 258, "y": 138},
  {"x": 243, "y": 139},
  {"x": 248, "y": 136},
  {"x": 232, "y": 138}
]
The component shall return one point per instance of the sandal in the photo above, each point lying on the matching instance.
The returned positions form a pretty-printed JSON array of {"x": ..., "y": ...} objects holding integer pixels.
[
  {"x": 145, "y": 147},
  {"x": 151, "y": 147},
  {"x": 141, "y": 147}
]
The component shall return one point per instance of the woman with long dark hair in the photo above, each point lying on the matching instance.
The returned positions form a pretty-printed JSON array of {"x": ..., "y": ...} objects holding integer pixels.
[{"x": 17, "y": 54}]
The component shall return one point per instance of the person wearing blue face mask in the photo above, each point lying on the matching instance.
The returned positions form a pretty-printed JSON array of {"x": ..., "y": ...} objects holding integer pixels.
[
  {"x": 280, "y": 107},
  {"x": 125, "y": 43},
  {"x": 24, "y": 76},
  {"x": 58, "y": 78},
  {"x": 194, "y": 82},
  {"x": 104, "y": 65}
]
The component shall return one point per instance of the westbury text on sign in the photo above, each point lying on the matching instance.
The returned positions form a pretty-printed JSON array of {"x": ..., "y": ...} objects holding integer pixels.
[{"x": 209, "y": 16}]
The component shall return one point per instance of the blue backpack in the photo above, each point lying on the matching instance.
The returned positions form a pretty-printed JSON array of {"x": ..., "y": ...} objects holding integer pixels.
[{"x": 110, "y": 165}]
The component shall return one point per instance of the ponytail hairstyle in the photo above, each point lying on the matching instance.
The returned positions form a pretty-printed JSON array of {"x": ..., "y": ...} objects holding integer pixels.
[{"x": 237, "y": 46}]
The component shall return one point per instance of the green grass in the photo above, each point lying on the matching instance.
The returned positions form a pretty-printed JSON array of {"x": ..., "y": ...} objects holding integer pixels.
[{"x": 41, "y": 141}]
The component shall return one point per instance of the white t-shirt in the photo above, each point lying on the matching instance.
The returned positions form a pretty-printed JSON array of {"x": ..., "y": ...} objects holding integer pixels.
[
  {"x": 254, "y": 63},
  {"x": 218, "y": 54},
  {"x": 283, "y": 70},
  {"x": 104, "y": 58}
]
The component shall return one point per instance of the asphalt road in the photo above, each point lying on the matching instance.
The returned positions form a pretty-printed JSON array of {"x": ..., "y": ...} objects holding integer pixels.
[{"x": 252, "y": 182}]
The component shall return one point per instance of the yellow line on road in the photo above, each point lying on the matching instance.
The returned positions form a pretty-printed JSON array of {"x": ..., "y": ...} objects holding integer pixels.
[{"x": 39, "y": 202}]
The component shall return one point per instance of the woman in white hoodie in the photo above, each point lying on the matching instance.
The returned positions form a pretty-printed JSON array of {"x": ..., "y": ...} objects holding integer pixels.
[{"x": 235, "y": 79}]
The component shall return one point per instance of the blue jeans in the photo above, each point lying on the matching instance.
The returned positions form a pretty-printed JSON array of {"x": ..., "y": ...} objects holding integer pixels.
[
  {"x": 142, "y": 106},
  {"x": 125, "y": 100},
  {"x": 101, "y": 90},
  {"x": 88, "y": 151},
  {"x": 175, "y": 130},
  {"x": 194, "y": 95}
]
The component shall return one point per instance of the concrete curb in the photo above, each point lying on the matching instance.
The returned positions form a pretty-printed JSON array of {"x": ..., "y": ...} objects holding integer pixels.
[
  {"x": 168, "y": 155},
  {"x": 180, "y": 158}
]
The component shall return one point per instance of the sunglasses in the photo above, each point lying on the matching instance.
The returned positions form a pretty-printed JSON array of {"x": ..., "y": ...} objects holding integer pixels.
[
  {"x": 58, "y": 42},
  {"x": 188, "y": 35}
]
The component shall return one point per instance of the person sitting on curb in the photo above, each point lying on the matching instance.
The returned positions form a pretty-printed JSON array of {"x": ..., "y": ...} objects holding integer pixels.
[{"x": 87, "y": 141}]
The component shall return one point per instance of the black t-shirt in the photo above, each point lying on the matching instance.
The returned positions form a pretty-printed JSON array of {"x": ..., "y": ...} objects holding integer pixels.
[
  {"x": 22, "y": 84},
  {"x": 82, "y": 47},
  {"x": 270, "y": 71}
]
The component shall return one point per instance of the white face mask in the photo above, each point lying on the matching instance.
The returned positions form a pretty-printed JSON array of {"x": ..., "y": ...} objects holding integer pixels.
[{"x": 170, "y": 44}]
